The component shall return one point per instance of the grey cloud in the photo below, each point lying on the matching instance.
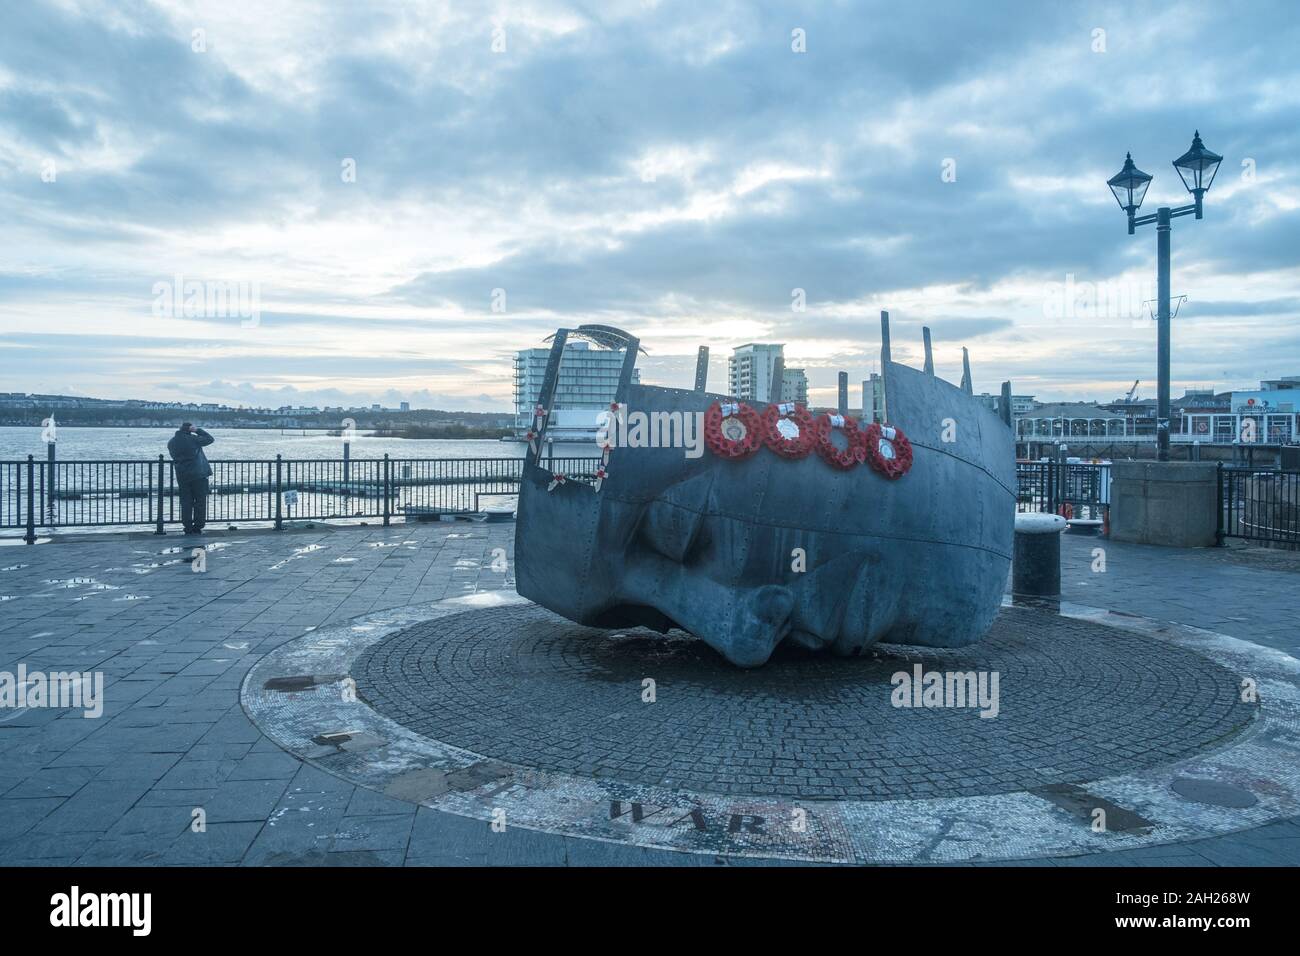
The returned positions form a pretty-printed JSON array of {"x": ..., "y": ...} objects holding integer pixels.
[{"x": 556, "y": 125}]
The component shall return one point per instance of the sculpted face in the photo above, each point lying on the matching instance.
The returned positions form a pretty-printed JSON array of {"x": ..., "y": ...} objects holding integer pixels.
[
  {"x": 749, "y": 550},
  {"x": 768, "y": 523}
]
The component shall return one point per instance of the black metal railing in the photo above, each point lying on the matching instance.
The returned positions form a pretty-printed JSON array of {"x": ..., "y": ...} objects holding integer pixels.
[
  {"x": 1051, "y": 485},
  {"x": 1259, "y": 504},
  {"x": 37, "y": 494}
]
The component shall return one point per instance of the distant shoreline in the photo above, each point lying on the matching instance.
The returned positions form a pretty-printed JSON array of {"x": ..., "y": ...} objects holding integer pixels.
[
  {"x": 241, "y": 428},
  {"x": 323, "y": 430}
]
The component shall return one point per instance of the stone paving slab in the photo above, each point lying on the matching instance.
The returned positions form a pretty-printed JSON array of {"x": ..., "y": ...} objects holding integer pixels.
[{"x": 174, "y": 646}]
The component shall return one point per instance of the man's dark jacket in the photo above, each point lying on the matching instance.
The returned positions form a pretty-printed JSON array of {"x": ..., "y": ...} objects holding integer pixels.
[{"x": 186, "y": 449}]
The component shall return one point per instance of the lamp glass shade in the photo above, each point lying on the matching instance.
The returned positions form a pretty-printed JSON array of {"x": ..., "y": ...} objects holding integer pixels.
[
  {"x": 1129, "y": 185},
  {"x": 1197, "y": 166}
]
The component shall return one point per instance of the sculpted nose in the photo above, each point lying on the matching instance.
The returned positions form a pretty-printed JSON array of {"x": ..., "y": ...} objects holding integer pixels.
[{"x": 758, "y": 625}]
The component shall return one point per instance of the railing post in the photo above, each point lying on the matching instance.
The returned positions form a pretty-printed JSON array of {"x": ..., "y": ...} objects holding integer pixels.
[
  {"x": 158, "y": 527},
  {"x": 1219, "y": 506},
  {"x": 387, "y": 491},
  {"x": 30, "y": 537},
  {"x": 279, "y": 497},
  {"x": 47, "y": 506},
  {"x": 1062, "y": 477},
  {"x": 1049, "y": 469}
]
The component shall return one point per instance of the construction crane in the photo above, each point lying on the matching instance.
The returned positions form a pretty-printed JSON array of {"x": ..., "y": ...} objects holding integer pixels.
[{"x": 1128, "y": 399}]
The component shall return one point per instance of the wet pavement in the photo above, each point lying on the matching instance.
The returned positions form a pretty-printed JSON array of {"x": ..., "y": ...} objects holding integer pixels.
[{"x": 174, "y": 748}]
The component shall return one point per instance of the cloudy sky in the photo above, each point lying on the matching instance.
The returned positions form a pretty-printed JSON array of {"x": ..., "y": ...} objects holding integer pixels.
[{"x": 400, "y": 195}]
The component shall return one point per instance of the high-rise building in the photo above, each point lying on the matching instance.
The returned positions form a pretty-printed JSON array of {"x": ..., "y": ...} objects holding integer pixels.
[
  {"x": 749, "y": 371},
  {"x": 588, "y": 384},
  {"x": 406, "y": 406},
  {"x": 873, "y": 398},
  {"x": 794, "y": 386}
]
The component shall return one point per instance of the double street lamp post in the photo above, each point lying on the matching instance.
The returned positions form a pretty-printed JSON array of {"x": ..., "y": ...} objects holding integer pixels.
[{"x": 1197, "y": 167}]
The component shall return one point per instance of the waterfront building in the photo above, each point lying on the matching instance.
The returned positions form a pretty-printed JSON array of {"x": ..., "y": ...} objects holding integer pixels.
[
  {"x": 1254, "y": 416},
  {"x": 1064, "y": 420},
  {"x": 794, "y": 386},
  {"x": 873, "y": 398},
  {"x": 587, "y": 385},
  {"x": 750, "y": 369},
  {"x": 1263, "y": 415},
  {"x": 1021, "y": 405},
  {"x": 1285, "y": 383}
]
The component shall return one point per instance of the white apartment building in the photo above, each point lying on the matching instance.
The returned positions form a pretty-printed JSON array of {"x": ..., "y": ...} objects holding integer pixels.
[
  {"x": 794, "y": 386},
  {"x": 873, "y": 398},
  {"x": 750, "y": 369},
  {"x": 588, "y": 383}
]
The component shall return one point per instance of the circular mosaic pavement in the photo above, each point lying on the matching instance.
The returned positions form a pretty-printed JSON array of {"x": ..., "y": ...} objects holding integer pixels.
[
  {"x": 1111, "y": 732},
  {"x": 1061, "y": 701}
]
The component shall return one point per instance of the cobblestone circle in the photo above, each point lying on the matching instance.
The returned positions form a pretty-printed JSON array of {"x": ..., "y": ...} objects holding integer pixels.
[{"x": 1077, "y": 701}]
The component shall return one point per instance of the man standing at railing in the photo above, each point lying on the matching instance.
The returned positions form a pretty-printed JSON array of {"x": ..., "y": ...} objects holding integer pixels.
[{"x": 192, "y": 474}]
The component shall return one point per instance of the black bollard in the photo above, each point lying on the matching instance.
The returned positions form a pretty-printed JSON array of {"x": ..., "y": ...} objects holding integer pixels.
[{"x": 1036, "y": 562}]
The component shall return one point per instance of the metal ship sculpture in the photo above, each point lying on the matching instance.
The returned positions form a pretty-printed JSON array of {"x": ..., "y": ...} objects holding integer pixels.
[{"x": 793, "y": 526}]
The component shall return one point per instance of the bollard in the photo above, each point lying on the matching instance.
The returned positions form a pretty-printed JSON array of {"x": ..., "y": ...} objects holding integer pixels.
[{"x": 1036, "y": 564}]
